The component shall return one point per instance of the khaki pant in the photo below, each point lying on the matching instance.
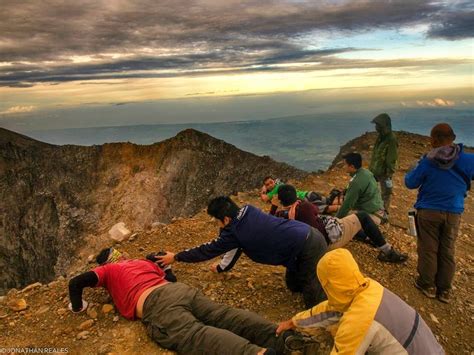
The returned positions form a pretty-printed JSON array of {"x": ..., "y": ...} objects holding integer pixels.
[
  {"x": 180, "y": 318},
  {"x": 437, "y": 232},
  {"x": 350, "y": 227}
]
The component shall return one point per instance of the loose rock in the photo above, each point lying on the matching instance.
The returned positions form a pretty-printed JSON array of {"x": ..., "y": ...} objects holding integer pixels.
[
  {"x": 31, "y": 287},
  {"x": 82, "y": 335},
  {"x": 17, "y": 305},
  {"x": 107, "y": 308},
  {"x": 86, "y": 324}
]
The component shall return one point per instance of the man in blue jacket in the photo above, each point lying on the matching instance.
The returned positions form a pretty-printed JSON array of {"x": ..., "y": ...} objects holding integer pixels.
[
  {"x": 264, "y": 239},
  {"x": 442, "y": 177}
]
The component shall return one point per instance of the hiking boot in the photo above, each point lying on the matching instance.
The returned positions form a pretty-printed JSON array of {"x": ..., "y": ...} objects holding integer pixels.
[
  {"x": 392, "y": 256},
  {"x": 429, "y": 292},
  {"x": 444, "y": 296},
  {"x": 301, "y": 343}
]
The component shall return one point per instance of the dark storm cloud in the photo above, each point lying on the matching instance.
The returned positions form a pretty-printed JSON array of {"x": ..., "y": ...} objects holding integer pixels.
[
  {"x": 454, "y": 26},
  {"x": 180, "y": 37}
]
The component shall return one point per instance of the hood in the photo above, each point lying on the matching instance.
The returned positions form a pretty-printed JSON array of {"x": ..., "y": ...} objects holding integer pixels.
[
  {"x": 384, "y": 121},
  {"x": 445, "y": 157},
  {"x": 340, "y": 278}
]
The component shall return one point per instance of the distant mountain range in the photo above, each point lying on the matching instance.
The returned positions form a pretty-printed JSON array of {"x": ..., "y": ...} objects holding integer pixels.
[{"x": 308, "y": 142}]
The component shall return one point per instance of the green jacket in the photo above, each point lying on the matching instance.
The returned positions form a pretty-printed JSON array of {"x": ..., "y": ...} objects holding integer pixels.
[
  {"x": 362, "y": 194},
  {"x": 385, "y": 153},
  {"x": 299, "y": 194}
]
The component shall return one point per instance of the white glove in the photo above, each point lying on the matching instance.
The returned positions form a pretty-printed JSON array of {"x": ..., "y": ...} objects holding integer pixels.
[{"x": 84, "y": 307}]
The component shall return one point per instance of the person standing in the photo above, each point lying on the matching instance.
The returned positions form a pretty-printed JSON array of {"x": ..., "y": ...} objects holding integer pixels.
[
  {"x": 442, "y": 177},
  {"x": 384, "y": 156}
]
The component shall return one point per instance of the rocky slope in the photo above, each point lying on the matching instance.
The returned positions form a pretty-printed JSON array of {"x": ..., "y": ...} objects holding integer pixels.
[
  {"x": 46, "y": 322},
  {"x": 56, "y": 199}
]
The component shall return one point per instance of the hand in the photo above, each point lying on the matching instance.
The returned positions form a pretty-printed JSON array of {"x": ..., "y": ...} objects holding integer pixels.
[
  {"x": 166, "y": 259},
  {"x": 285, "y": 326},
  {"x": 213, "y": 268},
  {"x": 84, "y": 307}
]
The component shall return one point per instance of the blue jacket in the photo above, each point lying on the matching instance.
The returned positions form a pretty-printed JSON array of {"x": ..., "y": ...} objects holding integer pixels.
[
  {"x": 263, "y": 238},
  {"x": 440, "y": 186}
]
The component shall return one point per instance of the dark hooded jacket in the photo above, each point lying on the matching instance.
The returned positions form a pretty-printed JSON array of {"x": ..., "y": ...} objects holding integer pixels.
[
  {"x": 385, "y": 153},
  {"x": 442, "y": 177}
]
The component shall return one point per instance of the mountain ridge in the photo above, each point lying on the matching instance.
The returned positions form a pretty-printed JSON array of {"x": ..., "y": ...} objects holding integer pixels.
[{"x": 56, "y": 196}]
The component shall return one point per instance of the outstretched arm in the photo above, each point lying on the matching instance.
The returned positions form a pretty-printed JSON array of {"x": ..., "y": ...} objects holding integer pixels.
[
  {"x": 228, "y": 260},
  {"x": 225, "y": 242},
  {"x": 77, "y": 285}
]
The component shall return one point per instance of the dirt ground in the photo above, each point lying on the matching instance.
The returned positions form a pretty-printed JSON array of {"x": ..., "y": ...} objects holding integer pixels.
[{"x": 259, "y": 288}]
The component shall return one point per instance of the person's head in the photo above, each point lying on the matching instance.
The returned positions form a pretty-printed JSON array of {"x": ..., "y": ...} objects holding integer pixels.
[
  {"x": 287, "y": 195},
  {"x": 269, "y": 183},
  {"x": 442, "y": 134},
  {"x": 383, "y": 123},
  {"x": 109, "y": 255},
  {"x": 353, "y": 162},
  {"x": 223, "y": 209},
  {"x": 340, "y": 278}
]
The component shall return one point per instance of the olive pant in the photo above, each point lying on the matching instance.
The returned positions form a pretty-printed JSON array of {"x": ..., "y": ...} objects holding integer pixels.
[
  {"x": 181, "y": 318},
  {"x": 437, "y": 232},
  {"x": 385, "y": 192}
]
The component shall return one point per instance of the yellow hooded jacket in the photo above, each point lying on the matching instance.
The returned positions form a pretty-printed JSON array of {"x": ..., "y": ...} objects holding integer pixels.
[{"x": 362, "y": 315}]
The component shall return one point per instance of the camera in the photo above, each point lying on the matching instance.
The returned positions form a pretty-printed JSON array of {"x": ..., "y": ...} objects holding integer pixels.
[{"x": 154, "y": 258}]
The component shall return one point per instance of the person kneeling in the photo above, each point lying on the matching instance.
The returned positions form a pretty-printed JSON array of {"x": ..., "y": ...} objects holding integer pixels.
[{"x": 362, "y": 315}]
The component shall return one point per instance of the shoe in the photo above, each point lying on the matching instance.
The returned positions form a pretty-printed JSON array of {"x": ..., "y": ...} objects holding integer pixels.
[
  {"x": 300, "y": 342},
  {"x": 392, "y": 256},
  {"x": 429, "y": 292},
  {"x": 444, "y": 296}
]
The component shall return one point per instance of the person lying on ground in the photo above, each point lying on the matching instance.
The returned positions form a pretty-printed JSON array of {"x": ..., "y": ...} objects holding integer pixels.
[
  {"x": 362, "y": 315},
  {"x": 265, "y": 239},
  {"x": 178, "y": 317},
  {"x": 362, "y": 193},
  {"x": 269, "y": 191},
  {"x": 324, "y": 205},
  {"x": 339, "y": 231}
]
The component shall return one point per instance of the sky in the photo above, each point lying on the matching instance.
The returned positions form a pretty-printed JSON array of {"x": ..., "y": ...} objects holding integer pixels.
[{"x": 118, "y": 62}]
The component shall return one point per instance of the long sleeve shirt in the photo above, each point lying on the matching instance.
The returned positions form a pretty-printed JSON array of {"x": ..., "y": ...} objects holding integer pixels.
[
  {"x": 263, "y": 238},
  {"x": 362, "y": 194}
]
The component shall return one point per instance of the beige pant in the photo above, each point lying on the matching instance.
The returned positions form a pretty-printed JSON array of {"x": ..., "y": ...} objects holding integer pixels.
[{"x": 350, "y": 227}]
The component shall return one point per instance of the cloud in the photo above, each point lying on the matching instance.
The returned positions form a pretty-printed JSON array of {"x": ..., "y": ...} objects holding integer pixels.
[
  {"x": 437, "y": 102},
  {"x": 43, "y": 41},
  {"x": 455, "y": 23},
  {"x": 18, "y": 109}
]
